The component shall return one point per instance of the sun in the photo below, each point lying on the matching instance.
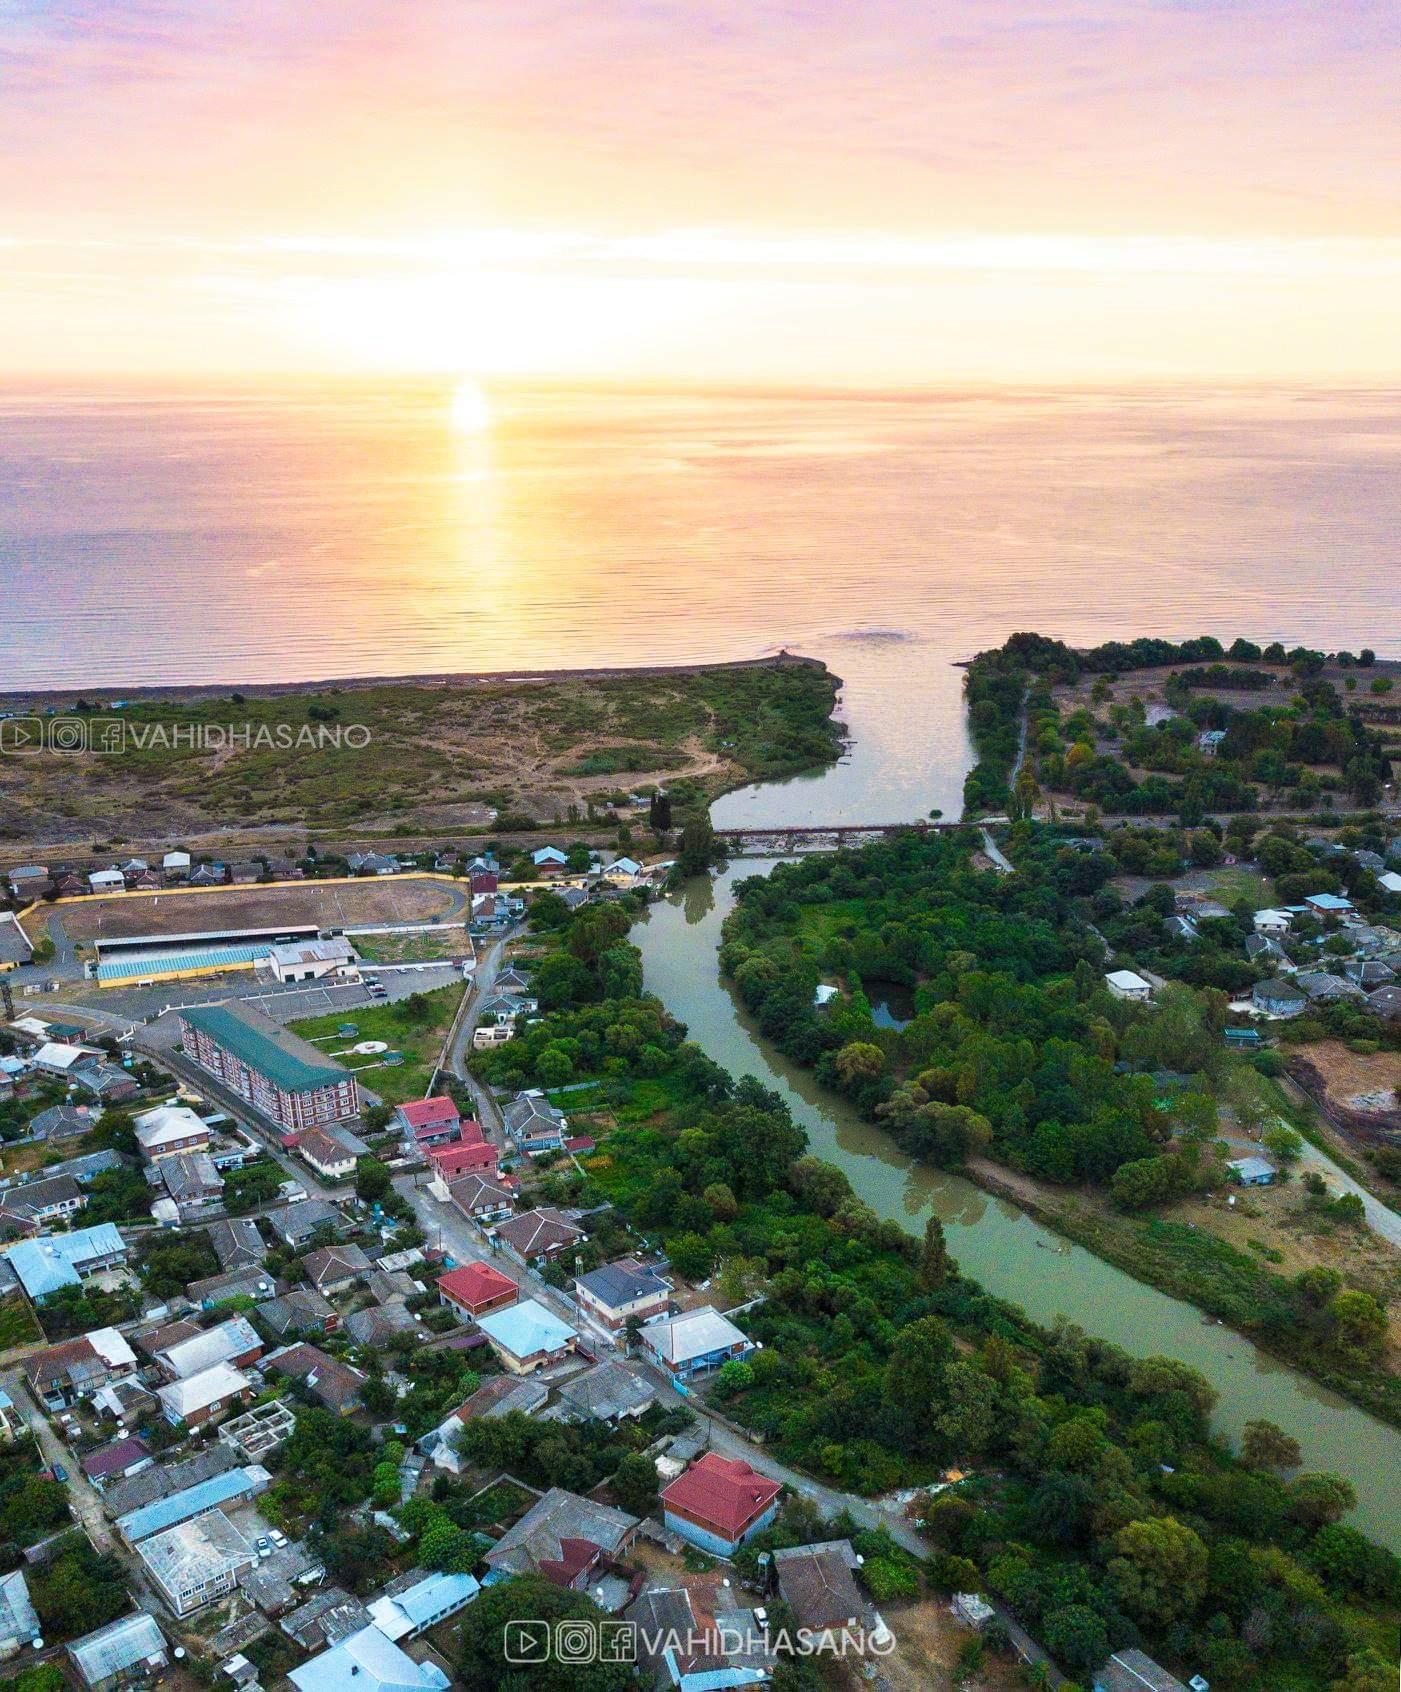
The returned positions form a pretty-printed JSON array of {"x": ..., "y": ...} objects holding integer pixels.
[{"x": 471, "y": 410}]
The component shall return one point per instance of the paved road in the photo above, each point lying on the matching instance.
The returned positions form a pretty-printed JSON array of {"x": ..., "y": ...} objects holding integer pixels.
[
  {"x": 1383, "y": 1222},
  {"x": 86, "y": 1504}
]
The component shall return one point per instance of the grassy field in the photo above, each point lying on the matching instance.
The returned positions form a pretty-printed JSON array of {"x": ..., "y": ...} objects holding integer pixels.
[
  {"x": 419, "y": 1038},
  {"x": 424, "y": 755},
  {"x": 17, "y": 1324}
]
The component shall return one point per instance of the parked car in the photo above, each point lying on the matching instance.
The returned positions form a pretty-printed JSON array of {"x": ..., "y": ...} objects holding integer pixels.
[{"x": 60, "y": 1473}]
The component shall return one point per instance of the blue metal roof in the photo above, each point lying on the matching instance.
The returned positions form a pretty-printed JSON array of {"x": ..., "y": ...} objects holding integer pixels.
[
  {"x": 180, "y": 1506},
  {"x": 167, "y": 963},
  {"x": 526, "y": 1328},
  {"x": 44, "y": 1265},
  {"x": 436, "y": 1595}
]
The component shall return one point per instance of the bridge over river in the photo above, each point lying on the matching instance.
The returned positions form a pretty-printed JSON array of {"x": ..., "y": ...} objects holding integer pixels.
[{"x": 782, "y": 841}]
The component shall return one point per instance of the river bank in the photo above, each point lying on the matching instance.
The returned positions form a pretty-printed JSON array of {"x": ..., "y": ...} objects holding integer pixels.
[{"x": 1011, "y": 1253}]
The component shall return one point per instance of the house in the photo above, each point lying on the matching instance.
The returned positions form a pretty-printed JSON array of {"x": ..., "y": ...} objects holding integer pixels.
[
  {"x": 69, "y": 885},
  {"x": 191, "y": 1179},
  {"x": 472, "y": 1154},
  {"x": 289, "y": 1080},
  {"x": 622, "y": 870},
  {"x": 476, "y": 1289},
  {"x": 334, "y": 1268},
  {"x": 251, "y": 1282},
  {"x": 207, "y": 875},
  {"x": 332, "y": 1160},
  {"x": 50, "y": 1198},
  {"x": 1272, "y": 922},
  {"x": 1134, "y": 1671},
  {"x": 372, "y": 863},
  {"x": 129, "y": 1649},
  {"x": 537, "y": 1236},
  {"x": 333, "y": 1384},
  {"x": 549, "y": 860},
  {"x": 1266, "y": 947},
  {"x": 1368, "y": 973},
  {"x": 237, "y": 1243},
  {"x": 19, "y": 1621},
  {"x": 313, "y": 960},
  {"x": 175, "y": 866},
  {"x": 221, "y": 1480},
  {"x": 1321, "y": 984},
  {"x": 620, "y": 1293},
  {"x": 117, "y": 1461},
  {"x": 298, "y": 1311},
  {"x": 694, "y": 1341},
  {"x": 295, "y": 1225},
  {"x": 28, "y": 881},
  {"x": 197, "y": 1399},
  {"x": 1278, "y": 998},
  {"x": 245, "y": 874},
  {"x": 60, "y": 1375},
  {"x": 562, "y": 1537},
  {"x": 1389, "y": 881},
  {"x": 495, "y": 1034},
  {"x": 370, "y": 1662},
  {"x": 481, "y": 1198},
  {"x": 527, "y": 1336},
  {"x": 428, "y": 1122},
  {"x": 235, "y": 1341},
  {"x": 1327, "y": 904},
  {"x": 720, "y": 1502},
  {"x": 534, "y": 1124},
  {"x": 383, "y": 1325},
  {"x": 1209, "y": 741},
  {"x": 415, "y": 1602},
  {"x": 609, "y": 1392},
  {"x": 197, "y": 1561},
  {"x": 818, "y": 1584},
  {"x": 511, "y": 981},
  {"x": 502, "y": 1010},
  {"x": 1125, "y": 984},
  {"x": 1253, "y": 1171},
  {"x": 104, "y": 1082},
  {"x": 60, "y": 1057},
  {"x": 1386, "y": 1003},
  {"x": 63, "y": 1122},
  {"x": 63, "y": 1260},
  {"x": 701, "y": 1637},
  {"x": 107, "y": 881},
  {"x": 169, "y": 1129},
  {"x": 326, "y": 1619}
]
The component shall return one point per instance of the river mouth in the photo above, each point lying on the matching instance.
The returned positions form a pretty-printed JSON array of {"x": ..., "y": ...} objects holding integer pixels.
[{"x": 1011, "y": 1254}]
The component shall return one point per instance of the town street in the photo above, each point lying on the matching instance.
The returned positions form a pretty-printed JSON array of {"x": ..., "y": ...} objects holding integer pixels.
[{"x": 87, "y": 1506}]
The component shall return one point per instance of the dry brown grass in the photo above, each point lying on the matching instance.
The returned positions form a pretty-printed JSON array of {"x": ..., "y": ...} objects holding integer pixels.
[{"x": 1347, "y": 1074}]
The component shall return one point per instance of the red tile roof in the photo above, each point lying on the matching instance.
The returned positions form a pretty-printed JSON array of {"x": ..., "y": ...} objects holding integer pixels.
[
  {"x": 459, "y": 1158},
  {"x": 476, "y": 1283},
  {"x": 723, "y": 1491},
  {"x": 424, "y": 1113}
]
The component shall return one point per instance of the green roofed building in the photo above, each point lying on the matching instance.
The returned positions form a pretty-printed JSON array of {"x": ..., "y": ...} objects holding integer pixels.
[{"x": 276, "y": 1071}]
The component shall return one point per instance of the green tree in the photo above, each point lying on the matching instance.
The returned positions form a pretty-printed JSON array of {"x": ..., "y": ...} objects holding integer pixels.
[
  {"x": 1159, "y": 1573},
  {"x": 372, "y": 1180},
  {"x": 487, "y": 1629},
  {"x": 1076, "y": 1636},
  {"x": 1265, "y": 1446},
  {"x": 634, "y": 1484}
]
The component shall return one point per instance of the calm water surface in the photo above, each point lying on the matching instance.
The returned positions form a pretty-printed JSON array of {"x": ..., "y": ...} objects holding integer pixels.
[
  {"x": 1012, "y": 1255},
  {"x": 239, "y": 537}
]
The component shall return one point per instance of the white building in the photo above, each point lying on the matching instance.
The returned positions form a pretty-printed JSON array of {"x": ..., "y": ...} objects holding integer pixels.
[
  {"x": 1126, "y": 984},
  {"x": 1272, "y": 922},
  {"x": 198, "y": 1397},
  {"x": 310, "y": 960},
  {"x": 107, "y": 881},
  {"x": 169, "y": 1129},
  {"x": 197, "y": 1561}
]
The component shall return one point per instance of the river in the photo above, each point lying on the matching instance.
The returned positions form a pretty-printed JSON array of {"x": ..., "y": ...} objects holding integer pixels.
[{"x": 1012, "y": 1255}]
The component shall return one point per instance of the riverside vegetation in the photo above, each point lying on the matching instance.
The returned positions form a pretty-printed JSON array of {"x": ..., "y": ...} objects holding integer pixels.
[{"x": 1099, "y": 1506}]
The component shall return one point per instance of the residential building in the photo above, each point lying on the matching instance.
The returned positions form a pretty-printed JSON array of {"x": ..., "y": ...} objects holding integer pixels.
[
  {"x": 117, "y": 1461},
  {"x": 197, "y": 1561},
  {"x": 1126, "y": 984},
  {"x": 534, "y": 1124},
  {"x": 415, "y": 1602},
  {"x": 1135, "y": 1671},
  {"x": 175, "y": 866},
  {"x": 619, "y": 1293},
  {"x": 107, "y": 881},
  {"x": 428, "y": 1122},
  {"x": 609, "y": 1392},
  {"x": 1253, "y": 1171},
  {"x": 564, "y": 1538},
  {"x": 694, "y": 1341},
  {"x": 527, "y": 1336},
  {"x": 312, "y": 960},
  {"x": 284, "y": 1077},
  {"x": 58, "y": 1057},
  {"x": 329, "y": 1157},
  {"x": 1273, "y": 922},
  {"x": 818, "y": 1584},
  {"x": 199, "y": 1398},
  {"x": 251, "y": 1282},
  {"x": 191, "y": 1179},
  {"x": 235, "y": 1341},
  {"x": 478, "y": 1196},
  {"x": 472, "y": 1154},
  {"x": 327, "y": 1618},
  {"x": 300, "y": 1310},
  {"x": 60, "y": 1375},
  {"x": 699, "y": 1638},
  {"x": 1327, "y": 904},
  {"x": 237, "y": 1243},
  {"x": 295, "y": 1225},
  {"x": 65, "y": 1122},
  {"x": 476, "y": 1289},
  {"x": 128, "y": 1649},
  {"x": 1368, "y": 973},
  {"x": 169, "y": 1129},
  {"x": 48, "y": 1198},
  {"x": 549, "y": 860},
  {"x": 19, "y": 1621},
  {"x": 28, "y": 881},
  {"x": 1278, "y": 997},
  {"x": 64, "y": 1260},
  {"x": 222, "y": 1482},
  {"x": 370, "y": 1662},
  {"x": 372, "y": 863},
  {"x": 538, "y": 1236},
  {"x": 383, "y": 1325},
  {"x": 332, "y": 1269},
  {"x": 1322, "y": 984},
  {"x": 720, "y": 1502},
  {"x": 333, "y": 1384},
  {"x": 1386, "y": 1002}
]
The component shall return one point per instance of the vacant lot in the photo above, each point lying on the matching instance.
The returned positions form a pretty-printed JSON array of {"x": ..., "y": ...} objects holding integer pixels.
[
  {"x": 197, "y": 911},
  {"x": 424, "y": 755},
  {"x": 1354, "y": 1078}
]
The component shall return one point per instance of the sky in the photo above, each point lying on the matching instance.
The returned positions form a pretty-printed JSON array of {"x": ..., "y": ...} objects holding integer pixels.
[{"x": 853, "y": 192}]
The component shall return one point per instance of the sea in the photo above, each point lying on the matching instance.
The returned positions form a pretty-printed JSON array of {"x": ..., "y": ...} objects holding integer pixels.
[{"x": 239, "y": 536}]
